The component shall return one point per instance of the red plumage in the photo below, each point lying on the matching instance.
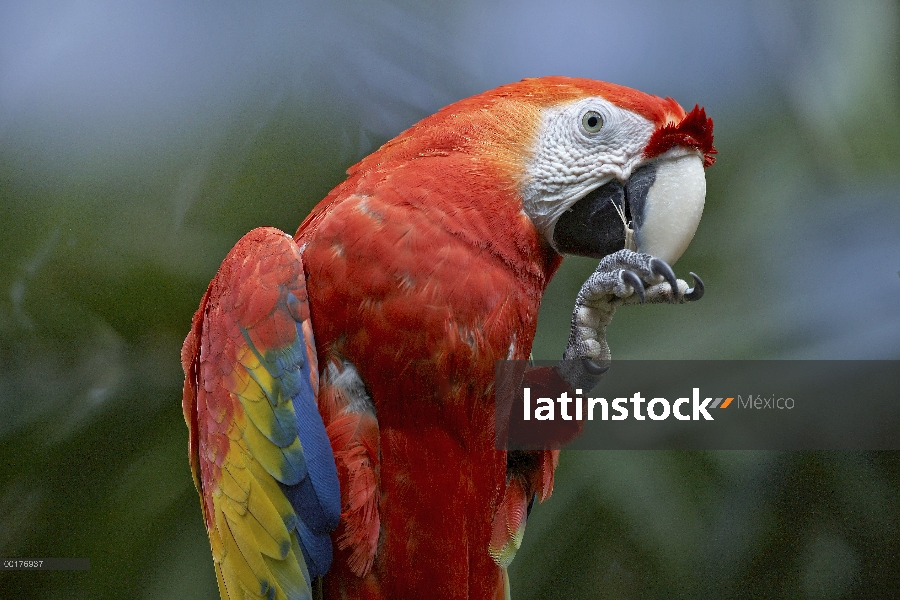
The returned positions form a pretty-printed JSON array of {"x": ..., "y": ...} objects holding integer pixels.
[
  {"x": 423, "y": 281},
  {"x": 695, "y": 130},
  {"x": 354, "y": 440}
]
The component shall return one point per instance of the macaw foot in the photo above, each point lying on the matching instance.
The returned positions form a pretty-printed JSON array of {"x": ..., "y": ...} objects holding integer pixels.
[{"x": 624, "y": 277}]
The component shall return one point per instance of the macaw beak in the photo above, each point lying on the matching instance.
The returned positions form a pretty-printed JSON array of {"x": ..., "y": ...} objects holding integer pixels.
[{"x": 661, "y": 203}]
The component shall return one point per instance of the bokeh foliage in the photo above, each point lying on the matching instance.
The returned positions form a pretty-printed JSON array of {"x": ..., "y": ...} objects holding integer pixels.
[{"x": 108, "y": 243}]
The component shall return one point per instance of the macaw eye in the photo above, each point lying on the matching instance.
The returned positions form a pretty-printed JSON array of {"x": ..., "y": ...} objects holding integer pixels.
[{"x": 592, "y": 121}]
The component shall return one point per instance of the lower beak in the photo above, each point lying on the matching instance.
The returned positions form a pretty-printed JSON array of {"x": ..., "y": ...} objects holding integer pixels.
[{"x": 659, "y": 207}]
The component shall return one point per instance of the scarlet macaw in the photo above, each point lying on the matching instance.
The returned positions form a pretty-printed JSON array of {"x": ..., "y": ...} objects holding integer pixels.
[{"x": 339, "y": 384}]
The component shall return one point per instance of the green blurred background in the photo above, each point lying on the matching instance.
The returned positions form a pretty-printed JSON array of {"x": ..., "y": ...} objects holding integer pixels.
[{"x": 138, "y": 142}]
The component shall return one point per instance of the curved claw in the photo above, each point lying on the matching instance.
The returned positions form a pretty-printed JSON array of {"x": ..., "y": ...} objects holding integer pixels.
[
  {"x": 594, "y": 368},
  {"x": 696, "y": 292},
  {"x": 661, "y": 267},
  {"x": 629, "y": 278}
]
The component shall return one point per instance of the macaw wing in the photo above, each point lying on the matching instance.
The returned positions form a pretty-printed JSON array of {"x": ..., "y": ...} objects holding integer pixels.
[{"x": 260, "y": 457}]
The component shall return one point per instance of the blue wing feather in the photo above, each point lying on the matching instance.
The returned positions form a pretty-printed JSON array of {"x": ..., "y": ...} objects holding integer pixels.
[{"x": 317, "y": 497}]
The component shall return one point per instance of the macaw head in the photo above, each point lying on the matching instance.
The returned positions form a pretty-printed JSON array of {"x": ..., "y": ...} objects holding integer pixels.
[
  {"x": 612, "y": 167},
  {"x": 595, "y": 167}
]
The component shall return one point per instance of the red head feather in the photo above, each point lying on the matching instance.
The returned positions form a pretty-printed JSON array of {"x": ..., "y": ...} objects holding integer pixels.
[{"x": 695, "y": 131}]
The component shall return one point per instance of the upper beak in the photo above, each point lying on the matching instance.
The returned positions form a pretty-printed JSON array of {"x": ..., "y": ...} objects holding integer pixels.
[{"x": 661, "y": 203}]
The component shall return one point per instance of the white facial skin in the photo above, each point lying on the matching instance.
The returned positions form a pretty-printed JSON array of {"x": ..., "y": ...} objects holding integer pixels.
[{"x": 570, "y": 160}]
